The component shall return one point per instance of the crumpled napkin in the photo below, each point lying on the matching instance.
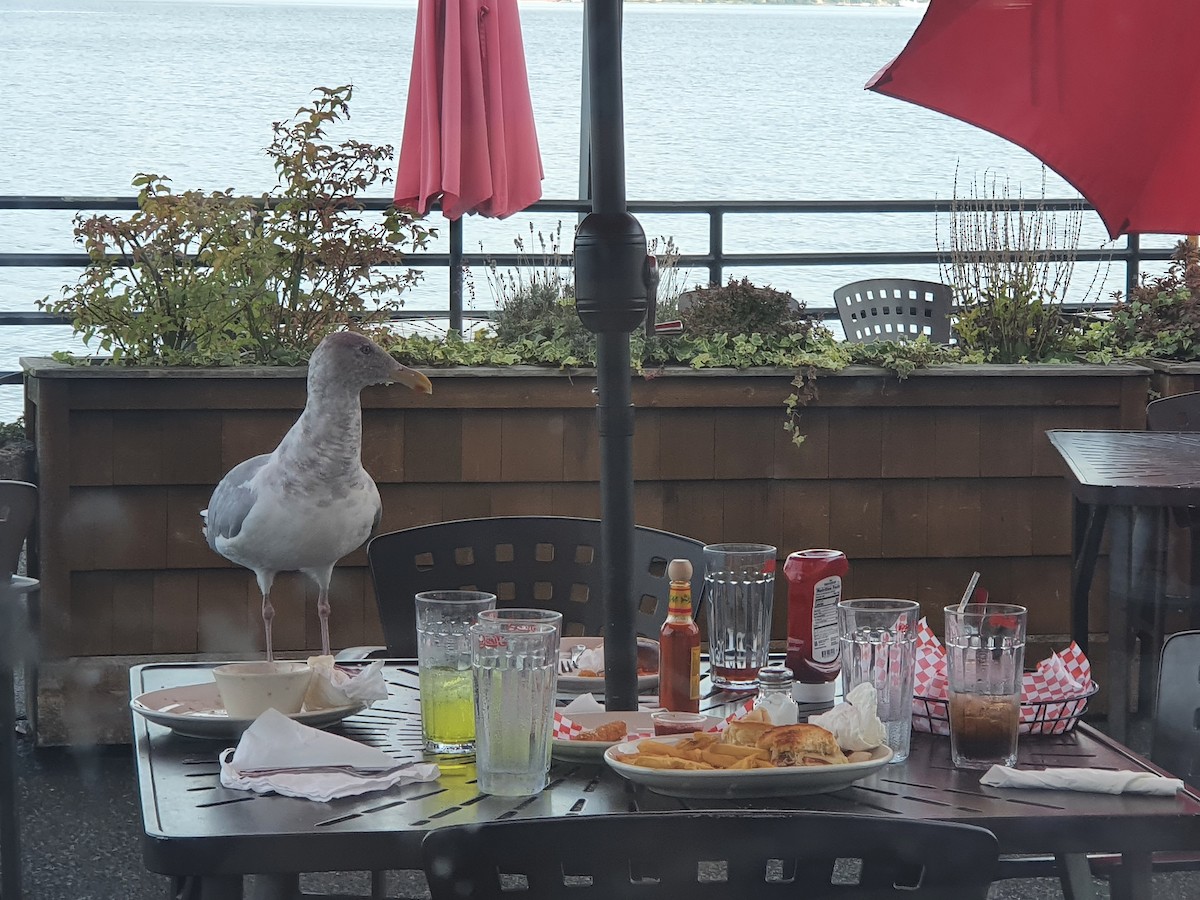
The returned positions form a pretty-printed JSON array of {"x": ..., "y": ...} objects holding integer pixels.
[
  {"x": 592, "y": 659},
  {"x": 332, "y": 686},
  {"x": 279, "y": 754},
  {"x": 855, "y": 722},
  {"x": 1095, "y": 781}
]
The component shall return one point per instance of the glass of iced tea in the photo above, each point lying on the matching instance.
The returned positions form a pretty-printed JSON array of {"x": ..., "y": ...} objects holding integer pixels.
[
  {"x": 985, "y": 656},
  {"x": 739, "y": 584},
  {"x": 444, "y": 667}
]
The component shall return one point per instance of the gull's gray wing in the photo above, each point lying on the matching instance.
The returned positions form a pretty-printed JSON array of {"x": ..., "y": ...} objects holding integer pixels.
[{"x": 232, "y": 500}]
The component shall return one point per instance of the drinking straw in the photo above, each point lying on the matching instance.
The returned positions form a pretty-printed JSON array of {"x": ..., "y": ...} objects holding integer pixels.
[{"x": 966, "y": 597}]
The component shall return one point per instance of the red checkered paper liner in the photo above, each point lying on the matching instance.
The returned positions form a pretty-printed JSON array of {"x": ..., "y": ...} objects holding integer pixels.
[
  {"x": 565, "y": 729},
  {"x": 1051, "y": 695}
]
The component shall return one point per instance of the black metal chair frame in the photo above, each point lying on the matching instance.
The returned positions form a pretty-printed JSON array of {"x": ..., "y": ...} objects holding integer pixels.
[
  {"x": 895, "y": 309},
  {"x": 549, "y": 562},
  {"x": 734, "y": 854},
  {"x": 18, "y": 503}
]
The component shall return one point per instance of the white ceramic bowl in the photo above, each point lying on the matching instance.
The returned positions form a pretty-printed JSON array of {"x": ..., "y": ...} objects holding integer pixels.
[{"x": 249, "y": 689}]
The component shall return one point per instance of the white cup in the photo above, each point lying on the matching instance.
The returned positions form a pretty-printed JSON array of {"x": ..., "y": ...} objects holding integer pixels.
[{"x": 249, "y": 689}]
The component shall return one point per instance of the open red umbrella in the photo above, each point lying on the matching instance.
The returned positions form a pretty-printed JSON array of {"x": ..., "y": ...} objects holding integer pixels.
[
  {"x": 1105, "y": 92},
  {"x": 469, "y": 134}
]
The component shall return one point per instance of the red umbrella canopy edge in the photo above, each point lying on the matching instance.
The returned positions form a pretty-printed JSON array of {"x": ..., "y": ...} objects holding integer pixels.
[{"x": 1102, "y": 91}]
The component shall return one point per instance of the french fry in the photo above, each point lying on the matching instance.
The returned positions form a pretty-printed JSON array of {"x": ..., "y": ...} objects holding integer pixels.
[
  {"x": 667, "y": 762},
  {"x": 657, "y": 748},
  {"x": 739, "y": 751}
]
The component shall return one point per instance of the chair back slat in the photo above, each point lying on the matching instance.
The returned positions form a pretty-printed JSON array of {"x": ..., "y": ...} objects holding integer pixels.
[
  {"x": 722, "y": 854},
  {"x": 548, "y": 562}
]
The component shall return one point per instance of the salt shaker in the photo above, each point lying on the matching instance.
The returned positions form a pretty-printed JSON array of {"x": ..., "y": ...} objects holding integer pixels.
[{"x": 775, "y": 695}]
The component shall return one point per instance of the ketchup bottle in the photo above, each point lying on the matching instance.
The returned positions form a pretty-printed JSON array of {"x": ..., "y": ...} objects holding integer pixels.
[
  {"x": 813, "y": 644},
  {"x": 679, "y": 645}
]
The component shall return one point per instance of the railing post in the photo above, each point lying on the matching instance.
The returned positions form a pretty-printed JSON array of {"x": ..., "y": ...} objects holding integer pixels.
[
  {"x": 456, "y": 275},
  {"x": 716, "y": 244},
  {"x": 1133, "y": 264}
]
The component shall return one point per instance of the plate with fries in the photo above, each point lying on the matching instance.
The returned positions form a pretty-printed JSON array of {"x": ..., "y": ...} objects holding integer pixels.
[
  {"x": 703, "y": 766},
  {"x": 603, "y": 730}
]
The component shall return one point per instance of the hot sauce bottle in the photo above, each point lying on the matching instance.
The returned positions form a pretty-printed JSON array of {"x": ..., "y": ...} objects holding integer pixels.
[
  {"x": 679, "y": 645},
  {"x": 814, "y": 644}
]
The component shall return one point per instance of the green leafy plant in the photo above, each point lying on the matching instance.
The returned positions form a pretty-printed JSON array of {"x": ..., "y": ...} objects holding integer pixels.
[
  {"x": 215, "y": 279},
  {"x": 1011, "y": 263},
  {"x": 1161, "y": 317}
]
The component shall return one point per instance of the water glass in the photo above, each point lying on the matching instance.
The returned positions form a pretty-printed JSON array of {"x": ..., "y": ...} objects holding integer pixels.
[
  {"x": 444, "y": 667},
  {"x": 879, "y": 647},
  {"x": 515, "y": 666},
  {"x": 739, "y": 583},
  {"x": 525, "y": 614},
  {"x": 985, "y": 658}
]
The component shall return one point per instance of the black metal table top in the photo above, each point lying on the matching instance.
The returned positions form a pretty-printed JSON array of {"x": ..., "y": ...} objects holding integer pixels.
[
  {"x": 194, "y": 826},
  {"x": 1131, "y": 468}
]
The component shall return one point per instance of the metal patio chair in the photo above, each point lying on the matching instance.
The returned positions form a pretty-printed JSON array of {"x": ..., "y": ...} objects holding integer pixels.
[
  {"x": 550, "y": 562},
  {"x": 18, "y": 502},
  {"x": 734, "y": 854},
  {"x": 895, "y": 309}
]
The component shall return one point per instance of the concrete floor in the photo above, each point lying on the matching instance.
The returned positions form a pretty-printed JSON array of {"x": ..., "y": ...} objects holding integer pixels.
[{"x": 81, "y": 837}]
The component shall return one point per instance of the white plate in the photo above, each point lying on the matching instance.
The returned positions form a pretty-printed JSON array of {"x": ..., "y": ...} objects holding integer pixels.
[
  {"x": 195, "y": 710},
  {"x": 782, "y": 782},
  {"x": 592, "y": 751},
  {"x": 578, "y": 684}
]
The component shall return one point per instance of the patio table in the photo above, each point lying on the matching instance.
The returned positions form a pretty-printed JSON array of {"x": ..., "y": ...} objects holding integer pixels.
[
  {"x": 1111, "y": 474},
  {"x": 197, "y": 829}
]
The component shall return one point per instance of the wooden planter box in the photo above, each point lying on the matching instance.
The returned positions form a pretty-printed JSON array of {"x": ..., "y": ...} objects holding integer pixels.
[
  {"x": 918, "y": 481},
  {"x": 1171, "y": 378}
]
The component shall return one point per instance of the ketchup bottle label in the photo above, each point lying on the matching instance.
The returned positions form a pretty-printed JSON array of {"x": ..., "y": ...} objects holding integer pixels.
[{"x": 826, "y": 640}]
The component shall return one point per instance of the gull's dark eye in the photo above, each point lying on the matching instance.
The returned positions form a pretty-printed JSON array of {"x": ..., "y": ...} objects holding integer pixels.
[{"x": 365, "y": 350}]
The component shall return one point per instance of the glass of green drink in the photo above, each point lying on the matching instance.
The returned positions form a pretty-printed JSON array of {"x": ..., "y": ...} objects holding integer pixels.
[{"x": 444, "y": 664}]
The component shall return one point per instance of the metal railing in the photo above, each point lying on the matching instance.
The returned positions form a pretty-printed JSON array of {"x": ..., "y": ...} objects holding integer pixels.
[{"x": 716, "y": 260}]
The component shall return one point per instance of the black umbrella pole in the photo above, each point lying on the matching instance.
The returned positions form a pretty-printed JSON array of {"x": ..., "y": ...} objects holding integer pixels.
[{"x": 615, "y": 414}]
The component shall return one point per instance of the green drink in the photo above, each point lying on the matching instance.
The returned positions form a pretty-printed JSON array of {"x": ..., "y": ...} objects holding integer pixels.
[
  {"x": 448, "y": 710},
  {"x": 444, "y": 665}
]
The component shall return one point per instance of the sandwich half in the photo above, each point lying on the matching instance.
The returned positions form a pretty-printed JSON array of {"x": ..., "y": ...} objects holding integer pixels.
[{"x": 801, "y": 745}]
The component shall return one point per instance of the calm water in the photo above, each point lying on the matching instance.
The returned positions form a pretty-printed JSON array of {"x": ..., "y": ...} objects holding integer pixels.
[{"x": 722, "y": 102}]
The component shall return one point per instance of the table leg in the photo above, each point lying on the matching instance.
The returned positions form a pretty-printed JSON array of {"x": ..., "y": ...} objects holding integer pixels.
[
  {"x": 1075, "y": 873},
  {"x": 10, "y": 839},
  {"x": 1087, "y": 529},
  {"x": 209, "y": 887},
  {"x": 1120, "y": 591},
  {"x": 1132, "y": 879},
  {"x": 275, "y": 887}
]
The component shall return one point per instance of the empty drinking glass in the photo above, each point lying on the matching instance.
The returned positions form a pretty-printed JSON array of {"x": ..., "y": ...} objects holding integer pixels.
[
  {"x": 740, "y": 587},
  {"x": 879, "y": 647}
]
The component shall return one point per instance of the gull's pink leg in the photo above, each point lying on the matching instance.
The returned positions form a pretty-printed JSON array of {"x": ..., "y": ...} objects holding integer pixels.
[
  {"x": 265, "y": 580},
  {"x": 268, "y": 614},
  {"x": 323, "y": 613}
]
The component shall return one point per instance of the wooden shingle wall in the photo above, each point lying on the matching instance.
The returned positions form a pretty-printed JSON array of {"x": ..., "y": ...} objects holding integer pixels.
[{"x": 919, "y": 482}]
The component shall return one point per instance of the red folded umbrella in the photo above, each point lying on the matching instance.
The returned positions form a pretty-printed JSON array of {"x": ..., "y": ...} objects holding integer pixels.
[
  {"x": 1103, "y": 91},
  {"x": 469, "y": 134}
]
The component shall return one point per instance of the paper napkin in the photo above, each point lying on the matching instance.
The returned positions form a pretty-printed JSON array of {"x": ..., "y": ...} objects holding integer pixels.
[
  {"x": 854, "y": 722},
  {"x": 1095, "y": 781},
  {"x": 333, "y": 686},
  {"x": 281, "y": 755}
]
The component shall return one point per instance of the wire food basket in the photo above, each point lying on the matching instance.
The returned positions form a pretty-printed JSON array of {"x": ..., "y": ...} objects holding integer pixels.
[{"x": 1038, "y": 717}]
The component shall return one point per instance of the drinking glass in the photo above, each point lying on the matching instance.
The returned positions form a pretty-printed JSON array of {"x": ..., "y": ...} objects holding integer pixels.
[
  {"x": 525, "y": 614},
  {"x": 740, "y": 586},
  {"x": 879, "y": 647},
  {"x": 985, "y": 656},
  {"x": 444, "y": 667},
  {"x": 515, "y": 666}
]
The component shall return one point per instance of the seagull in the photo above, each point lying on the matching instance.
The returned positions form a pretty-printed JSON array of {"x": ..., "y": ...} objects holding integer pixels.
[{"x": 309, "y": 502}]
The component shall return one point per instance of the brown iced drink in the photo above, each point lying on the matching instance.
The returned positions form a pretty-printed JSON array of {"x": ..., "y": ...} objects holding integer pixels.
[{"x": 983, "y": 727}]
